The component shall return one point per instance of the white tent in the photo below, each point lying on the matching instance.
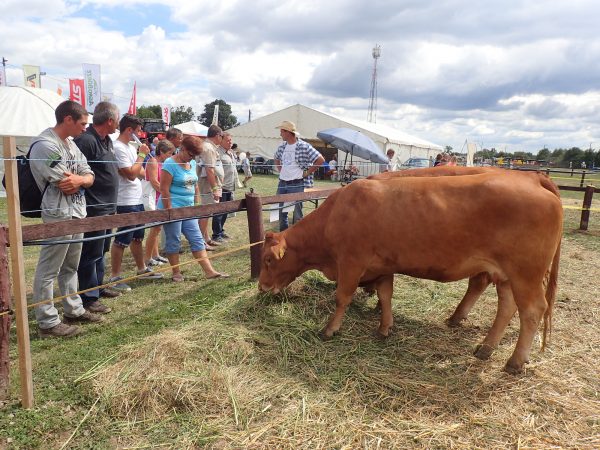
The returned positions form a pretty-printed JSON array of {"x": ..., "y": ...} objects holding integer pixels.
[
  {"x": 261, "y": 138},
  {"x": 25, "y": 113},
  {"x": 195, "y": 128}
]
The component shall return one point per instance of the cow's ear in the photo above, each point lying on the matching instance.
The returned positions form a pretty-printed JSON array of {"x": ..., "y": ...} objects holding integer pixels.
[{"x": 278, "y": 250}]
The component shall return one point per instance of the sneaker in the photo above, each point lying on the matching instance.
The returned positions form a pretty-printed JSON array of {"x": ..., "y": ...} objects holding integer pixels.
[
  {"x": 219, "y": 240},
  {"x": 154, "y": 262},
  {"x": 119, "y": 286},
  {"x": 225, "y": 235},
  {"x": 60, "y": 330},
  {"x": 213, "y": 243},
  {"x": 161, "y": 259},
  {"x": 86, "y": 317},
  {"x": 109, "y": 293},
  {"x": 208, "y": 248},
  {"x": 97, "y": 307},
  {"x": 149, "y": 274}
]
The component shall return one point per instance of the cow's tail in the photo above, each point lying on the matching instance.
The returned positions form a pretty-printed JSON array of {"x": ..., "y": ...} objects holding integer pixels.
[{"x": 551, "y": 289}]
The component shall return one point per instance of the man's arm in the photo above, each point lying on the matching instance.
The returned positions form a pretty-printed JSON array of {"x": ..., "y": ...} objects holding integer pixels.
[
  {"x": 137, "y": 170},
  {"x": 315, "y": 165}
]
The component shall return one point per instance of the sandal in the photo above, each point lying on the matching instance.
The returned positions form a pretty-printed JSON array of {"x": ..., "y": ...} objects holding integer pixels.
[
  {"x": 218, "y": 275},
  {"x": 177, "y": 278}
]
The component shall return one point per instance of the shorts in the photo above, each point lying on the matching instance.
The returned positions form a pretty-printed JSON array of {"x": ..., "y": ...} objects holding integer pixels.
[
  {"x": 247, "y": 171},
  {"x": 123, "y": 240}
]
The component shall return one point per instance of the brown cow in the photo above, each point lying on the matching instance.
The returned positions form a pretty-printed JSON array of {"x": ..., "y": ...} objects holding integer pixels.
[
  {"x": 479, "y": 283},
  {"x": 368, "y": 231}
]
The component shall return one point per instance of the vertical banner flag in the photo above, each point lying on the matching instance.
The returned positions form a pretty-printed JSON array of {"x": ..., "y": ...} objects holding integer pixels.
[
  {"x": 91, "y": 79},
  {"x": 471, "y": 150},
  {"x": 32, "y": 75},
  {"x": 77, "y": 91},
  {"x": 215, "y": 120},
  {"x": 166, "y": 114},
  {"x": 2, "y": 76},
  {"x": 132, "y": 108}
]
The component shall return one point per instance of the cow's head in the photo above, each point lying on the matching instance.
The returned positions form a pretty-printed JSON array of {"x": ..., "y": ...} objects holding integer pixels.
[{"x": 280, "y": 265}]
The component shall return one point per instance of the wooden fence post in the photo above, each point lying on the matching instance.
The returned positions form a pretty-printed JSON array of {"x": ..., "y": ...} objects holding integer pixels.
[
  {"x": 582, "y": 179},
  {"x": 15, "y": 234},
  {"x": 587, "y": 204},
  {"x": 256, "y": 231},
  {"x": 5, "y": 319}
]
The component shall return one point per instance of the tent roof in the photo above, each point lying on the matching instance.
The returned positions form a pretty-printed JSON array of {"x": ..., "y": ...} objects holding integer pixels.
[
  {"x": 192, "y": 127},
  {"x": 309, "y": 121},
  {"x": 27, "y": 111}
]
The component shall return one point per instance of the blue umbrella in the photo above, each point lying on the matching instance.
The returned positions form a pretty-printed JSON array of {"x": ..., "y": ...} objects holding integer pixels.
[{"x": 353, "y": 142}]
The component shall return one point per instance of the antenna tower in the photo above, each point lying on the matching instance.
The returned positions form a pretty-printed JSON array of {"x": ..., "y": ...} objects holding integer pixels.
[{"x": 372, "y": 114}]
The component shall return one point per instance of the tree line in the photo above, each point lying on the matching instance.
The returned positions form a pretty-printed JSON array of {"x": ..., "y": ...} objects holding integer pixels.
[
  {"x": 560, "y": 157},
  {"x": 182, "y": 114}
]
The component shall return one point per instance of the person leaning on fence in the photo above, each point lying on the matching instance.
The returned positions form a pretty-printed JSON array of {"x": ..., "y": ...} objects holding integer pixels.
[
  {"x": 164, "y": 149},
  {"x": 230, "y": 182},
  {"x": 101, "y": 200},
  {"x": 129, "y": 199},
  {"x": 296, "y": 161},
  {"x": 179, "y": 188},
  {"x": 58, "y": 163},
  {"x": 210, "y": 176}
]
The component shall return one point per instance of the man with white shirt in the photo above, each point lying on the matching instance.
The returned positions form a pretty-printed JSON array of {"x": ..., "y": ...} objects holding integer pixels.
[
  {"x": 296, "y": 161},
  {"x": 129, "y": 199}
]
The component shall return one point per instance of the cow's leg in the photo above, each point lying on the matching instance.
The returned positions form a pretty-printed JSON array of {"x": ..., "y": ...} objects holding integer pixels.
[
  {"x": 477, "y": 285},
  {"x": 347, "y": 285},
  {"x": 385, "y": 289},
  {"x": 532, "y": 305},
  {"x": 506, "y": 310}
]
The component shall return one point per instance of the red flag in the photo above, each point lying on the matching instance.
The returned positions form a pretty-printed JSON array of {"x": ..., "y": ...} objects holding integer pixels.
[
  {"x": 132, "y": 107},
  {"x": 77, "y": 91}
]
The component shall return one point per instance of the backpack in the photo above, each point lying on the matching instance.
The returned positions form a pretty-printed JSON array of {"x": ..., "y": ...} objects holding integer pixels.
[{"x": 30, "y": 195}]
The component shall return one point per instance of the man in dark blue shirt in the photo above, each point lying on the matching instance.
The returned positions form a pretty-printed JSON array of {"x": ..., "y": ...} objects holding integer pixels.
[{"x": 101, "y": 200}]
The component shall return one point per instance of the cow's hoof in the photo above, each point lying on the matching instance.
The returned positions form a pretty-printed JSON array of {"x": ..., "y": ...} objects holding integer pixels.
[
  {"x": 454, "y": 323},
  {"x": 483, "y": 352},
  {"x": 325, "y": 336},
  {"x": 513, "y": 368},
  {"x": 382, "y": 336}
]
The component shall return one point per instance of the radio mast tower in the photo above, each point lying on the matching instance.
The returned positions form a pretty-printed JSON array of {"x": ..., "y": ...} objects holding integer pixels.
[{"x": 372, "y": 114}]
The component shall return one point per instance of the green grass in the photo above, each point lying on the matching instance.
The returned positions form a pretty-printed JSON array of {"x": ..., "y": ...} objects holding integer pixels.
[{"x": 295, "y": 366}]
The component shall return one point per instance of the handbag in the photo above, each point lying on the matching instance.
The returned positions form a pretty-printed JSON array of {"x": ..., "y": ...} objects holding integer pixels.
[{"x": 148, "y": 196}]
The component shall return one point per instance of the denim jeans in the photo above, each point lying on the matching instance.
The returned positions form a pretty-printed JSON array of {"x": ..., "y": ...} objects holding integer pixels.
[
  {"x": 289, "y": 188},
  {"x": 91, "y": 264},
  {"x": 218, "y": 222},
  {"x": 190, "y": 229}
]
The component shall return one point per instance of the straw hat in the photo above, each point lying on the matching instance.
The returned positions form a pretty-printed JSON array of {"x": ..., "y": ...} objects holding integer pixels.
[{"x": 288, "y": 126}]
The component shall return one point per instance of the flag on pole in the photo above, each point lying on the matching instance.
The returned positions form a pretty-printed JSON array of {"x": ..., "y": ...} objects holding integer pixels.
[
  {"x": 3, "y": 76},
  {"x": 166, "y": 114},
  {"x": 32, "y": 75},
  {"x": 77, "y": 91},
  {"x": 91, "y": 78},
  {"x": 132, "y": 108},
  {"x": 215, "y": 119}
]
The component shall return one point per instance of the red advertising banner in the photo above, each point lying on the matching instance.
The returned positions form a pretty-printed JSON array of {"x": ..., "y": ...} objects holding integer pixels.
[
  {"x": 132, "y": 106},
  {"x": 166, "y": 114},
  {"x": 77, "y": 91}
]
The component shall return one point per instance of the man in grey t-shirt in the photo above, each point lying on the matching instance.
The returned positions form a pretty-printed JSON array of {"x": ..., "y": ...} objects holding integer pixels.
[{"x": 57, "y": 163}]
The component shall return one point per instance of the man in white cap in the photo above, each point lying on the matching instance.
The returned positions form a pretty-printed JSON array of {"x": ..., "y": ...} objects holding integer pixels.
[{"x": 296, "y": 161}]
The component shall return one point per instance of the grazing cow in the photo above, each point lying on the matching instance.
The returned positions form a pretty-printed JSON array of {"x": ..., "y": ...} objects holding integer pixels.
[
  {"x": 478, "y": 283},
  {"x": 505, "y": 228}
]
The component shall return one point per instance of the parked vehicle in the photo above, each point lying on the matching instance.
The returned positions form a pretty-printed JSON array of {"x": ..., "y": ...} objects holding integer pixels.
[
  {"x": 153, "y": 128},
  {"x": 416, "y": 163}
]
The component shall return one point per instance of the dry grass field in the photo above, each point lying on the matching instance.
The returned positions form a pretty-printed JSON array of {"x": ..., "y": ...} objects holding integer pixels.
[{"x": 218, "y": 365}]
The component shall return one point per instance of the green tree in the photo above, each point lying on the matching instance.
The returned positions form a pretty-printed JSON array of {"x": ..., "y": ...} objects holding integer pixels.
[
  {"x": 149, "y": 112},
  {"x": 226, "y": 120},
  {"x": 181, "y": 114},
  {"x": 448, "y": 148},
  {"x": 543, "y": 155}
]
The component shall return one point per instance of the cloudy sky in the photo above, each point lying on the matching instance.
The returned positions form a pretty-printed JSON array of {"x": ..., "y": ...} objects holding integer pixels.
[{"x": 514, "y": 75}]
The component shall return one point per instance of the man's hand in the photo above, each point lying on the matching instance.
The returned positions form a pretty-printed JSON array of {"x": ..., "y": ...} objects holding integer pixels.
[{"x": 70, "y": 184}]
